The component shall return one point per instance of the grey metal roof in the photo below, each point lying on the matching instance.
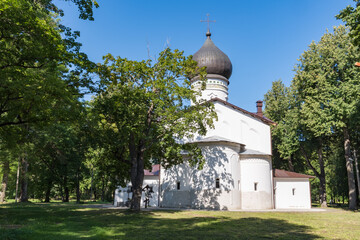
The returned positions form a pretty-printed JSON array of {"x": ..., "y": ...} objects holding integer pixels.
[
  {"x": 216, "y": 62},
  {"x": 252, "y": 152},
  {"x": 216, "y": 139}
]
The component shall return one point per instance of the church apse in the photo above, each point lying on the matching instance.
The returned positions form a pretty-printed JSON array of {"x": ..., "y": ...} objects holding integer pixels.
[{"x": 256, "y": 187}]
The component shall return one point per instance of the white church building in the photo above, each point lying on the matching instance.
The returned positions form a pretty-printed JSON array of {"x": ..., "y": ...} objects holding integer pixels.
[{"x": 238, "y": 171}]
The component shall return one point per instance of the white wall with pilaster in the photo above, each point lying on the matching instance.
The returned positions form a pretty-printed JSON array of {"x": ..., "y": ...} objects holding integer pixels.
[{"x": 242, "y": 128}]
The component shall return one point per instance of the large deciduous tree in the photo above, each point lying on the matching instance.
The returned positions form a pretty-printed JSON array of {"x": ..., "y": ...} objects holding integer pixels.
[
  {"x": 328, "y": 87},
  {"x": 148, "y": 104}
]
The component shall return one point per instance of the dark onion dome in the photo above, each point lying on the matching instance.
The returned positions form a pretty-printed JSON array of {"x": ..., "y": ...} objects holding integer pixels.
[{"x": 218, "y": 64}]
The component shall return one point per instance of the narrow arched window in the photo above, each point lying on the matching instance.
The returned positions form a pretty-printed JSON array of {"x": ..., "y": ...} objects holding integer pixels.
[
  {"x": 178, "y": 185},
  {"x": 217, "y": 183}
]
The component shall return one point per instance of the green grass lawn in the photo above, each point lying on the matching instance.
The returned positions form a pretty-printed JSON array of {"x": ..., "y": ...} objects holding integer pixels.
[{"x": 71, "y": 221}]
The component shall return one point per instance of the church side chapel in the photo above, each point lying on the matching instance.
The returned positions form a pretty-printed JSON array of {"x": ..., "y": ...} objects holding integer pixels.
[{"x": 238, "y": 171}]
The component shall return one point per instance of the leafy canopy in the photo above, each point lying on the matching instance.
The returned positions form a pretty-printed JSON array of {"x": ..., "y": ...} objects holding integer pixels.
[
  {"x": 41, "y": 66},
  {"x": 148, "y": 104},
  {"x": 351, "y": 17}
]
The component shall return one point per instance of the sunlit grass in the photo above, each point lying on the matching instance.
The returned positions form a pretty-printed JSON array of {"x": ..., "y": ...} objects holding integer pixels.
[{"x": 71, "y": 221}]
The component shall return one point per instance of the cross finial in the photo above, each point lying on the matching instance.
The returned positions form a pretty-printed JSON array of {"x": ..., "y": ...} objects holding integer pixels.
[{"x": 208, "y": 21}]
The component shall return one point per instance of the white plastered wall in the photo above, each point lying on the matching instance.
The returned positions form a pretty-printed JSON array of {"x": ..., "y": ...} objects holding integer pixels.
[
  {"x": 121, "y": 194},
  {"x": 242, "y": 128},
  {"x": 285, "y": 198},
  {"x": 256, "y": 170},
  {"x": 198, "y": 187}
]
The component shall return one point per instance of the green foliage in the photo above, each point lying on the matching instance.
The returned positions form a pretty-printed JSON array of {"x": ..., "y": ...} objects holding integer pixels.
[
  {"x": 336, "y": 174},
  {"x": 351, "y": 17},
  {"x": 147, "y": 103},
  {"x": 280, "y": 107},
  {"x": 327, "y": 83},
  {"x": 36, "y": 55}
]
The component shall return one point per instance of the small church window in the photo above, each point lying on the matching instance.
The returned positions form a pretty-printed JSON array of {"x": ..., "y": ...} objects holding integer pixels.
[
  {"x": 293, "y": 191},
  {"x": 255, "y": 186},
  {"x": 178, "y": 185},
  {"x": 217, "y": 183}
]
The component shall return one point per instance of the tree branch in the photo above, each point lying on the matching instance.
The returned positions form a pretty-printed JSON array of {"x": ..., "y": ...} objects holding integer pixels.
[{"x": 309, "y": 163}]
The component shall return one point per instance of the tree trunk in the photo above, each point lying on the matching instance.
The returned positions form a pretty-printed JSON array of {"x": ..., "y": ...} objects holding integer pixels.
[
  {"x": 67, "y": 194},
  {"x": 137, "y": 161},
  {"x": 322, "y": 178},
  {"x": 66, "y": 189},
  {"x": 103, "y": 189},
  {"x": 91, "y": 185},
  {"x": 137, "y": 174},
  {"x": 17, "y": 181},
  {"x": 137, "y": 191},
  {"x": 48, "y": 191},
  {"x": 320, "y": 175},
  {"x": 357, "y": 171},
  {"x": 24, "y": 179},
  {"x": 137, "y": 182},
  {"x": 350, "y": 171},
  {"x": 4, "y": 182},
  {"x": 290, "y": 164},
  {"x": 77, "y": 187}
]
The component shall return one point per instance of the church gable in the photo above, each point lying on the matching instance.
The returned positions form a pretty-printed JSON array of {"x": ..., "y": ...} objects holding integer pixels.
[
  {"x": 243, "y": 111},
  {"x": 241, "y": 126}
]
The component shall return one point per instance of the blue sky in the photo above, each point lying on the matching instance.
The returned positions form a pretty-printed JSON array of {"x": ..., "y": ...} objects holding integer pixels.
[{"x": 262, "y": 38}]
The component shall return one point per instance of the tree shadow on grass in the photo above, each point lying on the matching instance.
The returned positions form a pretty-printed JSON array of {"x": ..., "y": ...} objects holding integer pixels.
[{"x": 78, "y": 223}]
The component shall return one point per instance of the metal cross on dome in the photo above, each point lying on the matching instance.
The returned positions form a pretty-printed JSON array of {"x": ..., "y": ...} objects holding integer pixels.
[{"x": 208, "y": 21}]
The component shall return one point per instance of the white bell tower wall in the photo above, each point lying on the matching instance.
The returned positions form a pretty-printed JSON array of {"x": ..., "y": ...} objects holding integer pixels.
[{"x": 215, "y": 88}]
